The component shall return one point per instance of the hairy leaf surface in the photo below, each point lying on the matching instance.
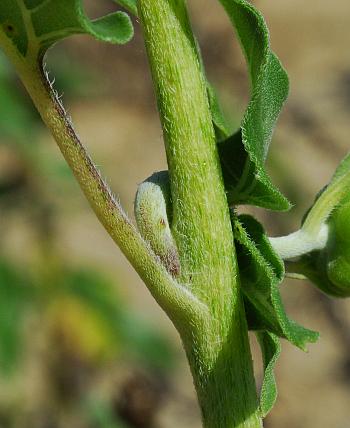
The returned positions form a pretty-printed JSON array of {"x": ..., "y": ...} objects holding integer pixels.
[
  {"x": 270, "y": 350},
  {"x": 243, "y": 155},
  {"x": 261, "y": 272}
]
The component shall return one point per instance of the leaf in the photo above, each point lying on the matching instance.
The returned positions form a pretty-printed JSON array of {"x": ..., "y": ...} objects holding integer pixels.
[
  {"x": 233, "y": 150},
  {"x": 35, "y": 25},
  {"x": 342, "y": 169},
  {"x": 342, "y": 173},
  {"x": 261, "y": 272},
  {"x": 219, "y": 122},
  {"x": 130, "y": 5},
  {"x": 333, "y": 195},
  {"x": 248, "y": 182},
  {"x": 329, "y": 268},
  {"x": 270, "y": 350}
]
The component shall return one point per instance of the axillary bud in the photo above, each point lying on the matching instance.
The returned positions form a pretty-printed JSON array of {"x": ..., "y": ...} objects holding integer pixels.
[{"x": 153, "y": 217}]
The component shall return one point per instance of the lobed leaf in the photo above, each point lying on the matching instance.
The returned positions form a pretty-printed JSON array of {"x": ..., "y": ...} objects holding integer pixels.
[
  {"x": 35, "y": 25},
  {"x": 243, "y": 154}
]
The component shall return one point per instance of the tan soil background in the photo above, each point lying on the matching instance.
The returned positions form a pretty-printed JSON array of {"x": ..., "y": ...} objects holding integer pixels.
[{"x": 121, "y": 129}]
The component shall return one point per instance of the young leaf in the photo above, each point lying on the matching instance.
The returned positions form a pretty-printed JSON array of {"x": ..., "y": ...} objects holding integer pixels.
[
  {"x": 329, "y": 268},
  {"x": 35, "y": 25},
  {"x": 270, "y": 350},
  {"x": 250, "y": 182},
  {"x": 330, "y": 198},
  {"x": 262, "y": 271},
  {"x": 342, "y": 170}
]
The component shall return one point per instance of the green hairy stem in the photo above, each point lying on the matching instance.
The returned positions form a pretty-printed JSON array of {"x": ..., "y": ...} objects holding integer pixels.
[
  {"x": 219, "y": 354},
  {"x": 215, "y": 273}
]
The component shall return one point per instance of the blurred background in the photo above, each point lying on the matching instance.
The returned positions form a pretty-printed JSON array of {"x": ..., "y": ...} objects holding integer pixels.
[{"x": 82, "y": 343}]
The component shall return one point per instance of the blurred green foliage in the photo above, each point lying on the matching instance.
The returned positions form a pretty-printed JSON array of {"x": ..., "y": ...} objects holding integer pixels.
[
  {"x": 15, "y": 298},
  {"x": 87, "y": 310},
  {"x": 18, "y": 121}
]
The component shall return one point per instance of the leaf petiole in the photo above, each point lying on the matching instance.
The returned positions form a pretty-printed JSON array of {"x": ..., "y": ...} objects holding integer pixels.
[
  {"x": 313, "y": 235},
  {"x": 299, "y": 243}
]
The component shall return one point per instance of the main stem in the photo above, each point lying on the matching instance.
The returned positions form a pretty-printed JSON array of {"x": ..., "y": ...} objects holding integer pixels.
[{"x": 219, "y": 354}]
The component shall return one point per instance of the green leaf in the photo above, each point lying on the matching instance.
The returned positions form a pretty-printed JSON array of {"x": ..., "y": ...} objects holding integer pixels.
[
  {"x": 130, "y": 5},
  {"x": 338, "y": 250},
  {"x": 270, "y": 350},
  {"x": 315, "y": 267},
  {"x": 35, "y": 25},
  {"x": 342, "y": 173},
  {"x": 342, "y": 169},
  {"x": 331, "y": 197},
  {"x": 261, "y": 272},
  {"x": 248, "y": 182},
  {"x": 219, "y": 121},
  {"x": 329, "y": 268}
]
